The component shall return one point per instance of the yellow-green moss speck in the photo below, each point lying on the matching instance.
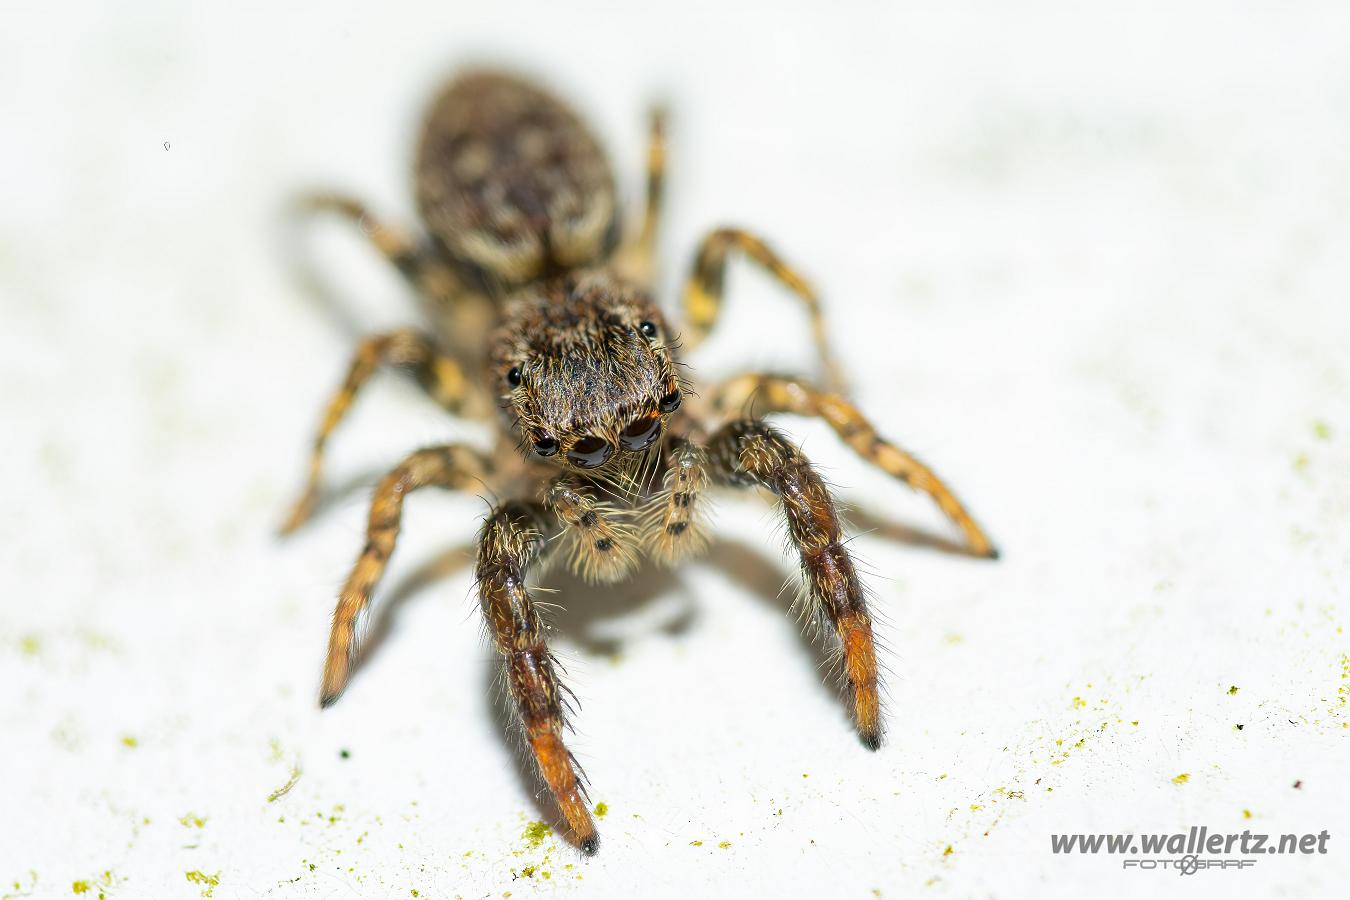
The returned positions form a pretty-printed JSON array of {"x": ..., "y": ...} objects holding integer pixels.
[
  {"x": 208, "y": 882},
  {"x": 536, "y": 832}
]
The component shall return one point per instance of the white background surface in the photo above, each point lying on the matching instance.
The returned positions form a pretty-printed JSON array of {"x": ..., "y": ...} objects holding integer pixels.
[{"x": 1092, "y": 266}]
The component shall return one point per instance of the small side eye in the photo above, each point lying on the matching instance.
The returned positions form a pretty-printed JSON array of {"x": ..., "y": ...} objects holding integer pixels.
[
  {"x": 670, "y": 402},
  {"x": 648, "y": 329},
  {"x": 513, "y": 377},
  {"x": 546, "y": 446}
]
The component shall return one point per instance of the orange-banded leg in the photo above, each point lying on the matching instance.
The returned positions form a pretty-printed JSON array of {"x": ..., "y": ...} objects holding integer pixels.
[
  {"x": 407, "y": 348},
  {"x": 416, "y": 261},
  {"x": 600, "y": 544},
  {"x": 703, "y": 291},
  {"x": 765, "y": 394},
  {"x": 513, "y": 538},
  {"x": 672, "y": 524},
  {"x": 751, "y": 452},
  {"x": 637, "y": 259},
  {"x": 448, "y": 466}
]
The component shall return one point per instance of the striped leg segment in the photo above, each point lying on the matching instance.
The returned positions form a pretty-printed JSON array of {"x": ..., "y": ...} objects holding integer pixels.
[
  {"x": 637, "y": 259},
  {"x": 703, "y": 291},
  {"x": 766, "y": 394},
  {"x": 449, "y": 466},
  {"x": 750, "y": 452},
  {"x": 672, "y": 525},
  {"x": 600, "y": 545},
  {"x": 513, "y": 538},
  {"x": 406, "y": 348},
  {"x": 420, "y": 266}
]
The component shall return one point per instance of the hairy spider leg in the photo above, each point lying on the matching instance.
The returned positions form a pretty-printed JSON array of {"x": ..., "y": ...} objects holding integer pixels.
[
  {"x": 762, "y": 394},
  {"x": 673, "y": 526},
  {"x": 704, "y": 288},
  {"x": 601, "y": 545},
  {"x": 513, "y": 538},
  {"x": 637, "y": 260},
  {"x": 751, "y": 452},
  {"x": 449, "y": 466},
  {"x": 407, "y": 348}
]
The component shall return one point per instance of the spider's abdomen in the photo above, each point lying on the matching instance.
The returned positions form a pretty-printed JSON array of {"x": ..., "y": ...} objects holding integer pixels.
[{"x": 511, "y": 182}]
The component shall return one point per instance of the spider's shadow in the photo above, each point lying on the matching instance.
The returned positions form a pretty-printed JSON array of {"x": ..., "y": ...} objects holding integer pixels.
[
  {"x": 585, "y": 608},
  {"x": 581, "y": 610},
  {"x": 578, "y": 613}
]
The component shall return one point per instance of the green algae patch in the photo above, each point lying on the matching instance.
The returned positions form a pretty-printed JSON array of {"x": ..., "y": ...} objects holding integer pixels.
[
  {"x": 208, "y": 883},
  {"x": 536, "y": 833},
  {"x": 1343, "y": 692},
  {"x": 1182, "y": 778},
  {"x": 99, "y": 886},
  {"x": 285, "y": 788},
  {"x": 601, "y": 809}
]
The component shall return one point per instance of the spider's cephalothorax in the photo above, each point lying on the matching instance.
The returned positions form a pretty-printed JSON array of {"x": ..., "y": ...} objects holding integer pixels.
[
  {"x": 599, "y": 454},
  {"x": 584, "y": 368}
]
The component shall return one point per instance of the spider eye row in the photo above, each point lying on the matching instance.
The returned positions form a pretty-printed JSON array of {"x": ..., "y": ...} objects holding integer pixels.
[
  {"x": 514, "y": 378},
  {"x": 591, "y": 451}
]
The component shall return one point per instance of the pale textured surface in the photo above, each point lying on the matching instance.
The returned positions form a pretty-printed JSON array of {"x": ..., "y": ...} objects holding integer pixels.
[{"x": 1094, "y": 269}]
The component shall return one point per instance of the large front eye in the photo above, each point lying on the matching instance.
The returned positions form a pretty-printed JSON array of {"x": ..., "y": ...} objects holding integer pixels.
[
  {"x": 513, "y": 376},
  {"x": 590, "y": 452},
  {"x": 641, "y": 433}
]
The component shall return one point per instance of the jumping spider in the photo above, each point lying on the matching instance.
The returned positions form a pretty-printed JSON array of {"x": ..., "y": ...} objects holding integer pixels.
[{"x": 544, "y": 306}]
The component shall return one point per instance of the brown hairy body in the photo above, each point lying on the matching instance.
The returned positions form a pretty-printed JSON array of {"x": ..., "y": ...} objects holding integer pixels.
[{"x": 543, "y": 310}]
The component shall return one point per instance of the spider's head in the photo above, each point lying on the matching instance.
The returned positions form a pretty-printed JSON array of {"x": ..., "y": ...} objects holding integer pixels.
[{"x": 586, "y": 369}]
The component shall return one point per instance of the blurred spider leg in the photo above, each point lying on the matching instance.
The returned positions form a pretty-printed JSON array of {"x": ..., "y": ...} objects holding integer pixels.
[
  {"x": 703, "y": 291},
  {"x": 750, "y": 452},
  {"x": 424, "y": 269},
  {"x": 600, "y": 544},
  {"x": 440, "y": 374},
  {"x": 672, "y": 526},
  {"x": 513, "y": 538},
  {"x": 767, "y": 394},
  {"x": 637, "y": 259},
  {"x": 448, "y": 466}
]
